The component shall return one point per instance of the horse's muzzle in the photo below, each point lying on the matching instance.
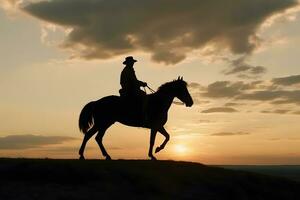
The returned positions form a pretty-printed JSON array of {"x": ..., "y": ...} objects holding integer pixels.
[{"x": 189, "y": 104}]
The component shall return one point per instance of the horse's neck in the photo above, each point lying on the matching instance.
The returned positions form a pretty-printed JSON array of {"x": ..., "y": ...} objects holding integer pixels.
[{"x": 166, "y": 100}]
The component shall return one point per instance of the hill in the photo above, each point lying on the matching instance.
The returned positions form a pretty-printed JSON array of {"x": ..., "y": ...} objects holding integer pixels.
[
  {"x": 291, "y": 172},
  {"x": 135, "y": 179}
]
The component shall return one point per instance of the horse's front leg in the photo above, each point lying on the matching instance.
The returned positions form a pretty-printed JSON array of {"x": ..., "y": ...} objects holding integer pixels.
[
  {"x": 163, "y": 131},
  {"x": 152, "y": 141}
]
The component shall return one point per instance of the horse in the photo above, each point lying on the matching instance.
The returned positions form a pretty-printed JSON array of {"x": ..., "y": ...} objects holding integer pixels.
[{"x": 98, "y": 116}]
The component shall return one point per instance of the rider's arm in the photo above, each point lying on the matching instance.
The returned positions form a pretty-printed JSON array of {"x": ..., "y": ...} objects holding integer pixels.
[
  {"x": 140, "y": 83},
  {"x": 143, "y": 84}
]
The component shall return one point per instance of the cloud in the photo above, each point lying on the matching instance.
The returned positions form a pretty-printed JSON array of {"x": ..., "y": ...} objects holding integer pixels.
[
  {"x": 244, "y": 70},
  {"x": 279, "y": 139},
  {"x": 220, "y": 109},
  {"x": 230, "y": 104},
  {"x": 281, "y": 111},
  {"x": 229, "y": 133},
  {"x": 277, "y": 111},
  {"x": 279, "y": 96},
  {"x": 30, "y": 141},
  {"x": 264, "y": 91},
  {"x": 274, "y": 139},
  {"x": 227, "y": 89},
  {"x": 267, "y": 96},
  {"x": 204, "y": 121},
  {"x": 194, "y": 85},
  {"x": 286, "y": 81},
  {"x": 168, "y": 30}
]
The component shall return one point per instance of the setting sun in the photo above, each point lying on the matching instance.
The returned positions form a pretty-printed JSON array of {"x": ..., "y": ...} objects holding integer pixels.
[{"x": 180, "y": 149}]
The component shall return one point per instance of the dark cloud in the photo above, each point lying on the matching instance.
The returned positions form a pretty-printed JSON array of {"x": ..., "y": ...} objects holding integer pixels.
[
  {"x": 277, "y": 111},
  {"x": 197, "y": 101},
  {"x": 238, "y": 93},
  {"x": 30, "y": 141},
  {"x": 281, "y": 111},
  {"x": 220, "y": 109},
  {"x": 197, "y": 86},
  {"x": 281, "y": 96},
  {"x": 229, "y": 133},
  {"x": 230, "y": 104},
  {"x": 168, "y": 30},
  {"x": 194, "y": 89},
  {"x": 252, "y": 91},
  {"x": 274, "y": 139},
  {"x": 242, "y": 69},
  {"x": 286, "y": 81},
  {"x": 204, "y": 121},
  {"x": 227, "y": 89},
  {"x": 278, "y": 139}
]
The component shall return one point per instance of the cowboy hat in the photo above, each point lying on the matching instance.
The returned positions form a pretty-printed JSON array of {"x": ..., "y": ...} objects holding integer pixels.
[{"x": 129, "y": 59}]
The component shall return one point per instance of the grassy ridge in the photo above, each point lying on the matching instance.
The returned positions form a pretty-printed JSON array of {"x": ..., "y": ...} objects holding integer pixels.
[{"x": 95, "y": 179}]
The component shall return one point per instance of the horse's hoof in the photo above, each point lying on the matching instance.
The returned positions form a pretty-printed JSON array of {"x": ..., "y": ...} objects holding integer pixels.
[
  {"x": 108, "y": 158},
  {"x": 157, "y": 149},
  {"x": 81, "y": 158},
  {"x": 153, "y": 158}
]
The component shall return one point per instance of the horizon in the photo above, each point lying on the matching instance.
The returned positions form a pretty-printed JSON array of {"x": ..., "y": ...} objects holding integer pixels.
[
  {"x": 242, "y": 70},
  {"x": 160, "y": 160}
]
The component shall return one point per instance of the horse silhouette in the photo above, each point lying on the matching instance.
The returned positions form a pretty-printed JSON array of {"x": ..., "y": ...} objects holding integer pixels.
[{"x": 98, "y": 116}]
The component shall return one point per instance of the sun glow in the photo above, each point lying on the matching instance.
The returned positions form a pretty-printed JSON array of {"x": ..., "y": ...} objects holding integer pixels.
[{"x": 180, "y": 149}]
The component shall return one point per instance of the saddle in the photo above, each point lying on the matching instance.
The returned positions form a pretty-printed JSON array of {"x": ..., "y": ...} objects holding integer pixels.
[
  {"x": 137, "y": 101},
  {"x": 131, "y": 94}
]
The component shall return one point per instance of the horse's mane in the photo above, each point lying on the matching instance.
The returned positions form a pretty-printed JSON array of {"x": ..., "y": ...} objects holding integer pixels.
[{"x": 170, "y": 85}]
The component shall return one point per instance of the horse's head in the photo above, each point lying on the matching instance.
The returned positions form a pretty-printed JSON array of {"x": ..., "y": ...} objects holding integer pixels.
[{"x": 181, "y": 92}]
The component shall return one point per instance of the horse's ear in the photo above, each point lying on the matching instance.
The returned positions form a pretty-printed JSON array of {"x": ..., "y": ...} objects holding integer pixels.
[
  {"x": 181, "y": 78},
  {"x": 178, "y": 78}
]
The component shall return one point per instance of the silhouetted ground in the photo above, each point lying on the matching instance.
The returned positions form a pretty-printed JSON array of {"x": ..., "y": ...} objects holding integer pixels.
[
  {"x": 135, "y": 179},
  {"x": 287, "y": 171}
]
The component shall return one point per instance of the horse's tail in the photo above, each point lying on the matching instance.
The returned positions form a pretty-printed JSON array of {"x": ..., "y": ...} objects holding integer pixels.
[{"x": 86, "y": 117}]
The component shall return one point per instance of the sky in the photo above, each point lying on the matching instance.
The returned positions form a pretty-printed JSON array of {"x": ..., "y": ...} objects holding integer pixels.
[{"x": 240, "y": 59}]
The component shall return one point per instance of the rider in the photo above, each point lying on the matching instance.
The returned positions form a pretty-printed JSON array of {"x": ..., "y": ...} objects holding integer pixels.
[
  {"x": 129, "y": 82},
  {"x": 131, "y": 86}
]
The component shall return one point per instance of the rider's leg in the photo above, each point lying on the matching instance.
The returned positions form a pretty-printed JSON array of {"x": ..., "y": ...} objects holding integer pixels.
[
  {"x": 145, "y": 108},
  {"x": 141, "y": 97}
]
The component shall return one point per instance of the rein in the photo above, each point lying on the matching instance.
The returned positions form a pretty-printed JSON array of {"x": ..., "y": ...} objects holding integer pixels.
[{"x": 153, "y": 91}]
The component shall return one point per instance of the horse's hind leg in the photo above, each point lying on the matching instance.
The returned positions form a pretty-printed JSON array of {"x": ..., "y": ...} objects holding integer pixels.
[
  {"x": 167, "y": 138},
  {"x": 99, "y": 137},
  {"x": 87, "y": 136}
]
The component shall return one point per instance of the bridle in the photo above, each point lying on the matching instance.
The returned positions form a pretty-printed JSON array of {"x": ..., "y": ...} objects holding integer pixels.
[{"x": 153, "y": 91}]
